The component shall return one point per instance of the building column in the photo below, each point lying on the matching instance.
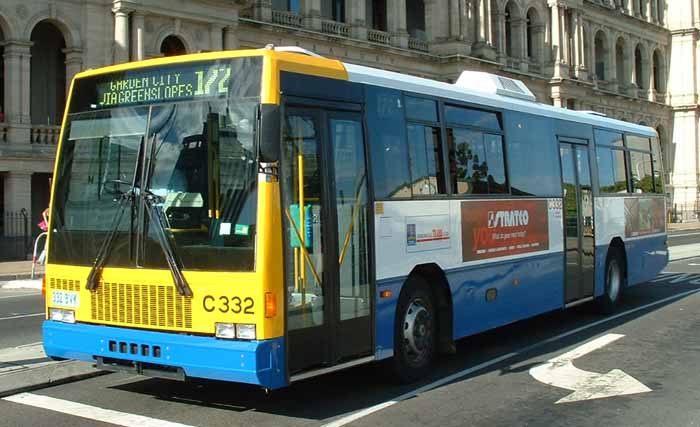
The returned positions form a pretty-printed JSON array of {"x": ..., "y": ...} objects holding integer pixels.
[
  {"x": 558, "y": 41},
  {"x": 648, "y": 11},
  {"x": 566, "y": 36},
  {"x": 262, "y": 10},
  {"x": 137, "y": 36},
  {"x": 499, "y": 36},
  {"x": 216, "y": 37},
  {"x": 396, "y": 17},
  {"x": 74, "y": 64},
  {"x": 455, "y": 18},
  {"x": 483, "y": 21},
  {"x": 357, "y": 18},
  {"x": 121, "y": 35},
  {"x": 18, "y": 193},
  {"x": 231, "y": 41},
  {"x": 312, "y": 14},
  {"x": 632, "y": 72},
  {"x": 25, "y": 94},
  {"x": 16, "y": 81},
  {"x": 581, "y": 69},
  {"x": 630, "y": 7},
  {"x": 611, "y": 70},
  {"x": 651, "y": 93}
]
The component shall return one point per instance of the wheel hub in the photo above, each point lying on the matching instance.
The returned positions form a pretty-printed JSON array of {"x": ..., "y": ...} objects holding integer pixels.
[{"x": 417, "y": 331}]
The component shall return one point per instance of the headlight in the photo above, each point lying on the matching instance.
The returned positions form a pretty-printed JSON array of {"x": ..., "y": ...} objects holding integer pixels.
[
  {"x": 62, "y": 315},
  {"x": 226, "y": 330},
  {"x": 245, "y": 331}
]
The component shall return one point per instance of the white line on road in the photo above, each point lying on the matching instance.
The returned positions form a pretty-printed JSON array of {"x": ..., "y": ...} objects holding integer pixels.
[
  {"x": 457, "y": 375},
  {"x": 23, "y": 295},
  {"x": 89, "y": 412},
  {"x": 22, "y": 315}
]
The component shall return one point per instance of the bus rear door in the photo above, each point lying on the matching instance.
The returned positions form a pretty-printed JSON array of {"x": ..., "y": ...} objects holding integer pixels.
[{"x": 578, "y": 220}]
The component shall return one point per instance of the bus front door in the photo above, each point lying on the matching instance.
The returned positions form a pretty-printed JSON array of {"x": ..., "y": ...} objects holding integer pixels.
[
  {"x": 578, "y": 221},
  {"x": 325, "y": 203}
]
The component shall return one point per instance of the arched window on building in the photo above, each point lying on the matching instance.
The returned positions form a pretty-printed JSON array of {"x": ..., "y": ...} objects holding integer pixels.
[
  {"x": 639, "y": 72},
  {"x": 2, "y": 77},
  {"x": 334, "y": 10},
  {"x": 535, "y": 33},
  {"x": 600, "y": 53},
  {"x": 48, "y": 74},
  {"x": 658, "y": 70},
  {"x": 172, "y": 46},
  {"x": 513, "y": 29},
  {"x": 375, "y": 14},
  {"x": 415, "y": 19},
  {"x": 620, "y": 62}
]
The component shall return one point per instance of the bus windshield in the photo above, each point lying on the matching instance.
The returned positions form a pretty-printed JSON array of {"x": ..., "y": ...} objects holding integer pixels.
[{"x": 193, "y": 160}]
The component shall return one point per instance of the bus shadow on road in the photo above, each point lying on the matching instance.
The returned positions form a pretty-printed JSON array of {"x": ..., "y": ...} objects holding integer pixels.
[{"x": 340, "y": 393}]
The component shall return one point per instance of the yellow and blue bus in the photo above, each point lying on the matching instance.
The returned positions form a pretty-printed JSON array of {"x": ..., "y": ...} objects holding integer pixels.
[{"x": 264, "y": 216}]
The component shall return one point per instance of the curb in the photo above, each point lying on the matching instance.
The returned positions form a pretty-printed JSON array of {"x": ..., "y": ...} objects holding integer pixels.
[
  {"x": 19, "y": 276},
  {"x": 29, "y": 379}
]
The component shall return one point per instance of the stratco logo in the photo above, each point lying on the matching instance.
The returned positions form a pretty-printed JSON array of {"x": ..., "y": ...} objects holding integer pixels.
[{"x": 515, "y": 218}]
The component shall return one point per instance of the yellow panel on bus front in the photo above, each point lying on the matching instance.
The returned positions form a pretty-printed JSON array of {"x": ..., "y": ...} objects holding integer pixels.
[{"x": 148, "y": 299}]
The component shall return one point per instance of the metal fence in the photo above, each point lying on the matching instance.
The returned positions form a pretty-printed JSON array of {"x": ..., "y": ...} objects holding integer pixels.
[{"x": 15, "y": 236}]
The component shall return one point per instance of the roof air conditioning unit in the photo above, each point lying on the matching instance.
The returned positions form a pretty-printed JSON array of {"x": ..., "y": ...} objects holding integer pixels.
[{"x": 491, "y": 83}]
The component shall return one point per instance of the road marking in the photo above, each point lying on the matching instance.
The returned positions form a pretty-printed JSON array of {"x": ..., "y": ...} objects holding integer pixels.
[
  {"x": 353, "y": 416},
  {"x": 89, "y": 412},
  {"x": 683, "y": 277},
  {"x": 22, "y": 315},
  {"x": 561, "y": 372},
  {"x": 664, "y": 276},
  {"x": 20, "y": 296}
]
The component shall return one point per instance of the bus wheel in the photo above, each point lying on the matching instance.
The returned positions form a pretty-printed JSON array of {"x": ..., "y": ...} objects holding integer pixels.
[
  {"x": 415, "y": 332},
  {"x": 614, "y": 280}
]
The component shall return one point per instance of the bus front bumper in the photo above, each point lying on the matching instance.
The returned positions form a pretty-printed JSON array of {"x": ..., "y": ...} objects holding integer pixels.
[{"x": 252, "y": 362}]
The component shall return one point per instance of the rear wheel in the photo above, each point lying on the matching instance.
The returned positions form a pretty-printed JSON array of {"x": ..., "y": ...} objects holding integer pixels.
[
  {"x": 415, "y": 332},
  {"x": 614, "y": 281}
]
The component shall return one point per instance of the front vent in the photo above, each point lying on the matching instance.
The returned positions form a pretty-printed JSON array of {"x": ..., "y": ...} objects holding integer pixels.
[
  {"x": 140, "y": 305},
  {"x": 64, "y": 284}
]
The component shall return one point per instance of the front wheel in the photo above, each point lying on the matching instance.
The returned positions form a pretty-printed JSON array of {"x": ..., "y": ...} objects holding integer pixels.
[
  {"x": 415, "y": 332},
  {"x": 614, "y": 281}
]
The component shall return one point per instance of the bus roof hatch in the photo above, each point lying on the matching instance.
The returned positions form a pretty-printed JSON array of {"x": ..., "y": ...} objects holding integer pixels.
[{"x": 491, "y": 83}]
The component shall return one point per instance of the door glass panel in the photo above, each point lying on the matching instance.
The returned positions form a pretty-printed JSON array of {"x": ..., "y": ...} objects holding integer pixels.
[
  {"x": 302, "y": 204},
  {"x": 351, "y": 206},
  {"x": 569, "y": 180}
]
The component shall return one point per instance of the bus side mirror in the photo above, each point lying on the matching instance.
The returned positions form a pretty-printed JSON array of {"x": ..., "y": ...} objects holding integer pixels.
[
  {"x": 213, "y": 177},
  {"x": 269, "y": 134}
]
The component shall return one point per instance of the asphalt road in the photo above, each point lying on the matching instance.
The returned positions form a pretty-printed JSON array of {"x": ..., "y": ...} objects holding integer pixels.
[
  {"x": 21, "y": 314},
  {"x": 683, "y": 237},
  {"x": 490, "y": 383}
]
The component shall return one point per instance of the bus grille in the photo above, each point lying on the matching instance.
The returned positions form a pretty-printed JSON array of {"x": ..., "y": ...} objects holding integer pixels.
[
  {"x": 141, "y": 305},
  {"x": 64, "y": 284}
]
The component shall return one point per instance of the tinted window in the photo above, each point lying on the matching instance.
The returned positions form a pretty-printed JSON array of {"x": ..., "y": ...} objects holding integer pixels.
[
  {"x": 471, "y": 117},
  {"x": 387, "y": 142},
  {"x": 638, "y": 143},
  {"x": 421, "y": 109},
  {"x": 611, "y": 170},
  {"x": 658, "y": 166},
  {"x": 476, "y": 162},
  {"x": 603, "y": 137},
  {"x": 426, "y": 160},
  {"x": 534, "y": 168},
  {"x": 642, "y": 177}
]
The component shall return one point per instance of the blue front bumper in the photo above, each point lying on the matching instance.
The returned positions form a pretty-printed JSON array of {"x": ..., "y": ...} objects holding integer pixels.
[{"x": 252, "y": 362}]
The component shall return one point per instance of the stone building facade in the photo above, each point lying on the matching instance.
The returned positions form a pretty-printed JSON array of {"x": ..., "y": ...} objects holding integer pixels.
[{"x": 611, "y": 56}]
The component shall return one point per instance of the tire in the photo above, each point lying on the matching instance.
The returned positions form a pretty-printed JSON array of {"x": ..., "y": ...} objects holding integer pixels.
[
  {"x": 614, "y": 282},
  {"x": 415, "y": 332}
]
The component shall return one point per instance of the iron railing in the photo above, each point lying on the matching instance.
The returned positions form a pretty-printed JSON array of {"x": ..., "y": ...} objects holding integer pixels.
[{"x": 15, "y": 236}]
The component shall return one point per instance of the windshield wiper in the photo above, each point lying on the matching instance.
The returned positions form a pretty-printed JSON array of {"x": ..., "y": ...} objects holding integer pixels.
[
  {"x": 99, "y": 262},
  {"x": 156, "y": 217}
]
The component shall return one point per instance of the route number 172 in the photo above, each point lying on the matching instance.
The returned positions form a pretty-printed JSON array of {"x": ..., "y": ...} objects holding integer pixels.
[{"x": 215, "y": 79}]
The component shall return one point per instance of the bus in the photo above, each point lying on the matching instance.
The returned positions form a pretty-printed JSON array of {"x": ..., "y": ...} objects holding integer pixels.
[{"x": 268, "y": 215}]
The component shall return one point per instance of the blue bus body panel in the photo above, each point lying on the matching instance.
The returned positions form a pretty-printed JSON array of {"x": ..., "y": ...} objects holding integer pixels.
[
  {"x": 253, "y": 362},
  {"x": 525, "y": 287},
  {"x": 646, "y": 258}
]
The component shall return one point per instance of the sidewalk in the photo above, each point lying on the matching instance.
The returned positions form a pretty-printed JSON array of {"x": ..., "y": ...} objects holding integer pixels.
[
  {"x": 677, "y": 226},
  {"x": 18, "y": 270},
  {"x": 27, "y": 368}
]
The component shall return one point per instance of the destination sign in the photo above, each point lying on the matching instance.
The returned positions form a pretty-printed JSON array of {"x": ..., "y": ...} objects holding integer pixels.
[{"x": 164, "y": 84}]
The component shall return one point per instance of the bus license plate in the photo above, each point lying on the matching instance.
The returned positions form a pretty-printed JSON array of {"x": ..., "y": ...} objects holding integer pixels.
[{"x": 65, "y": 299}]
